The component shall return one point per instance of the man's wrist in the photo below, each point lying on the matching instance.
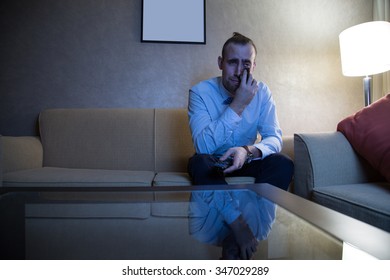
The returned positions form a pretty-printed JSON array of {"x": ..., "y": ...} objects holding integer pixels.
[
  {"x": 257, "y": 153},
  {"x": 249, "y": 154}
]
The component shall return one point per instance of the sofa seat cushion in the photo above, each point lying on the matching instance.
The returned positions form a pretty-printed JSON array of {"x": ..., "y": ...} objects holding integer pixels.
[
  {"x": 240, "y": 180},
  {"x": 368, "y": 202},
  {"x": 172, "y": 179},
  {"x": 183, "y": 179},
  {"x": 55, "y": 176}
]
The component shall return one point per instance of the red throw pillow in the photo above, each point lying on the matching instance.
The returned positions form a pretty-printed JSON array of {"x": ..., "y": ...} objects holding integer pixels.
[{"x": 368, "y": 131}]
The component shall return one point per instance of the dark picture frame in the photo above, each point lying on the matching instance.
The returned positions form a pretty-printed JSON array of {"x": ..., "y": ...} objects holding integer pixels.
[{"x": 174, "y": 21}]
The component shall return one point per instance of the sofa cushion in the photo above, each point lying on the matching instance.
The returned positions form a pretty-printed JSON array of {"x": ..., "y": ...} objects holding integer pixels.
[
  {"x": 288, "y": 146},
  {"x": 173, "y": 140},
  {"x": 54, "y": 176},
  {"x": 183, "y": 179},
  {"x": 367, "y": 202},
  {"x": 172, "y": 179},
  {"x": 368, "y": 131},
  {"x": 240, "y": 180},
  {"x": 117, "y": 139},
  {"x": 21, "y": 152}
]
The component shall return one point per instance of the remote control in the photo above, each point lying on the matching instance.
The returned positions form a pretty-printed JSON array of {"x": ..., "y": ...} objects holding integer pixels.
[{"x": 222, "y": 165}]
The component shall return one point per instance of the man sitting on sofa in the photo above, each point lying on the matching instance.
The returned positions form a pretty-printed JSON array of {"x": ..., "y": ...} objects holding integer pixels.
[{"x": 225, "y": 115}]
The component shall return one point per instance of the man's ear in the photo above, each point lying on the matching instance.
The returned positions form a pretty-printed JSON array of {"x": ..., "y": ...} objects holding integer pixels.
[{"x": 220, "y": 62}]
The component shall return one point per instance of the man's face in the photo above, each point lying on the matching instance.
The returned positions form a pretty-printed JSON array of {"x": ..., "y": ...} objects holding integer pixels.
[{"x": 236, "y": 58}]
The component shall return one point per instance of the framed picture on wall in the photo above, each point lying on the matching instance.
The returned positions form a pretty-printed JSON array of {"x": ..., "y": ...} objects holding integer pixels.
[{"x": 174, "y": 21}]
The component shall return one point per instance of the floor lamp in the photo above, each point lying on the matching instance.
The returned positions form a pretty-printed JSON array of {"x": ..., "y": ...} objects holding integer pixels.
[{"x": 365, "y": 51}]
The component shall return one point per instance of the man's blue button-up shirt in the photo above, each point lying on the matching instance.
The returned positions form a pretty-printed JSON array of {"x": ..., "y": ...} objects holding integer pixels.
[{"x": 215, "y": 127}]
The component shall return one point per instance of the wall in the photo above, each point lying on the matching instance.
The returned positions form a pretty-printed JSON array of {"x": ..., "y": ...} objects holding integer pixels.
[{"x": 71, "y": 53}]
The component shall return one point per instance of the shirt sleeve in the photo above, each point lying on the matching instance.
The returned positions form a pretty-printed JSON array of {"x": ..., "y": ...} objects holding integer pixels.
[
  {"x": 269, "y": 128},
  {"x": 208, "y": 135}
]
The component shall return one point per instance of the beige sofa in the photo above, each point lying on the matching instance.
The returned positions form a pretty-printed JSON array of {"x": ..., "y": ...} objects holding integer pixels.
[
  {"x": 104, "y": 147},
  {"x": 112, "y": 148}
]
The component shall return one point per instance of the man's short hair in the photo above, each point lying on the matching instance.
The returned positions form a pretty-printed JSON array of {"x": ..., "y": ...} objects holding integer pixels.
[{"x": 240, "y": 39}]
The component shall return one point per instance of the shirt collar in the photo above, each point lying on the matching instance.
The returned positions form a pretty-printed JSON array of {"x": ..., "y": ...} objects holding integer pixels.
[{"x": 222, "y": 90}]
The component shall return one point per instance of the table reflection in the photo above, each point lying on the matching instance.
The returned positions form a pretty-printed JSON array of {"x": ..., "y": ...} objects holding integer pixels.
[{"x": 235, "y": 220}]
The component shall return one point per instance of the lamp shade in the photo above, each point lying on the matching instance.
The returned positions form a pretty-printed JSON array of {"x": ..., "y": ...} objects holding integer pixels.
[{"x": 365, "y": 49}]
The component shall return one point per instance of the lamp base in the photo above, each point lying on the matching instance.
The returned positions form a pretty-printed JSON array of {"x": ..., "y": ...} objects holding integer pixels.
[{"x": 367, "y": 90}]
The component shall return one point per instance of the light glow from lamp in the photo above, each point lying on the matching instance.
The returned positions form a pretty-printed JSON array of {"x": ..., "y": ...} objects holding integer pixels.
[{"x": 365, "y": 50}]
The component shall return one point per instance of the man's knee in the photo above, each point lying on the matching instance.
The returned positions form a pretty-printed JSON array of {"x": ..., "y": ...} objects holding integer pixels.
[
  {"x": 202, "y": 171},
  {"x": 282, "y": 168},
  {"x": 199, "y": 161},
  {"x": 281, "y": 161}
]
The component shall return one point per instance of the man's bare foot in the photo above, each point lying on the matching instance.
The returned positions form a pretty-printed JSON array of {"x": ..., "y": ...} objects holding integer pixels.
[{"x": 245, "y": 240}]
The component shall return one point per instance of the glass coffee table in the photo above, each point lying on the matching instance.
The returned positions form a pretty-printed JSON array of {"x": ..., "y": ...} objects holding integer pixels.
[{"x": 171, "y": 223}]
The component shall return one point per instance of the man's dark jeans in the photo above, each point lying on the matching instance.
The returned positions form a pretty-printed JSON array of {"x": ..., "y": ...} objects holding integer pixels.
[{"x": 276, "y": 169}]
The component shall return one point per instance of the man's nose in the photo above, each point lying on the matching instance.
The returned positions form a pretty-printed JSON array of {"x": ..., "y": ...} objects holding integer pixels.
[{"x": 239, "y": 70}]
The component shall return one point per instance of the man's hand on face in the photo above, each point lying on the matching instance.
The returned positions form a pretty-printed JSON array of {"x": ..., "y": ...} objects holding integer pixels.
[
  {"x": 244, "y": 93},
  {"x": 239, "y": 155}
]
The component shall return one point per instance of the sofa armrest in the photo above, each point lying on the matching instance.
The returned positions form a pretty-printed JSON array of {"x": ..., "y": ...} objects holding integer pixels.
[
  {"x": 22, "y": 152},
  {"x": 326, "y": 159}
]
